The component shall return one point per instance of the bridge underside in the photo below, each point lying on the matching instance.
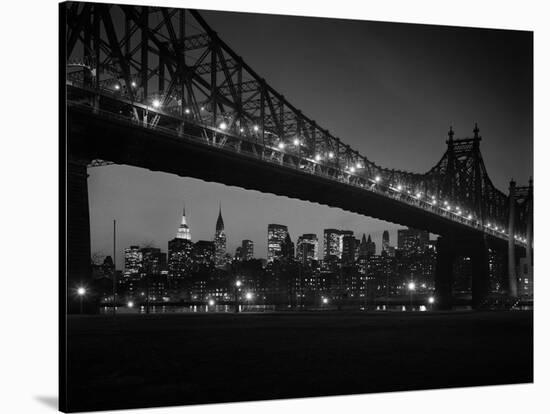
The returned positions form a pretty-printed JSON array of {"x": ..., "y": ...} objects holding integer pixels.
[{"x": 92, "y": 136}]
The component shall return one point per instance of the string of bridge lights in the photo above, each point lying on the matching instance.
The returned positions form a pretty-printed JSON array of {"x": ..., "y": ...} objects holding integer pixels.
[{"x": 446, "y": 207}]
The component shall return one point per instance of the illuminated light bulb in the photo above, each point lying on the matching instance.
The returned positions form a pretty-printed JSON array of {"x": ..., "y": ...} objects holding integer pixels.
[
  {"x": 223, "y": 125},
  {"x": 352, "y": 169},
  {"x": 317, "y": 157},
  {"x": 187, "y": 111},
  {"x": 296, "y": 141},
  {"x": 281, "y": 145},
  {"x": 331, "y": 154},
  {"x": 156, "y": 103},
  {"x": 377, "y": 178},
  {"x": 256, "y": 128}
]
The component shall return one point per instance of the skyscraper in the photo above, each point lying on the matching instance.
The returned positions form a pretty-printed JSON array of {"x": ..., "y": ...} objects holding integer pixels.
[
  {"x": 385, "y": 241},
  {"x": 411, "y": 241},
  {"x": 132, "y": 262},
  {"x": 220, "y": 241},
  {"x": 307, "y": 248},
  {"x": 179, "y": 259},
  {"x": 287, "y": 248},
  {"x": 184, "y": 232},
  {"x": 332, "y": 243},
  {"x": 276, "y": 235},
  {"x": 348, "y": 247},
  {"x": 247, "y": 250},
  {"x": 203, "y": 253},
  {"x": 153, "y": 261},
  {"x": 367, "y": 248}
]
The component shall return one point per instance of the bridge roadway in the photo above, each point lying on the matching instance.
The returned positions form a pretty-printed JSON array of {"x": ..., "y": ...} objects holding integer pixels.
[{"x": 106, "y": 135}]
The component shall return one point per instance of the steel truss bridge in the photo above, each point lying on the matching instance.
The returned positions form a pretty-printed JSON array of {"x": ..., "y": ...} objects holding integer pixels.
[{"x": 161, "y": 75}]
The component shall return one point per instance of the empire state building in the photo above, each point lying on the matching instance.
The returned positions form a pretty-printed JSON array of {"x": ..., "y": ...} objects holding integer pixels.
[{"x": 183, "y": 231}]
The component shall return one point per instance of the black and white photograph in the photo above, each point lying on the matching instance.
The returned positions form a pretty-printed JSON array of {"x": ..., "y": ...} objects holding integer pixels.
[
  {"x": 268, "y": 207},
  {"x": 276, "y": 204}
]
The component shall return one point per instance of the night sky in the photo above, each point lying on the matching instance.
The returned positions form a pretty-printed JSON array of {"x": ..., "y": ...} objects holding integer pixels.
[{"x": 389, "y": 90}]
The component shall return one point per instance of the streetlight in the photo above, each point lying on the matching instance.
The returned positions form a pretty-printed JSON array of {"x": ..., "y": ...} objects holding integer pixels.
[
  {"x": 211, "y": 302},
  {"x": 248, "y": 297},
  {"x": 156, "y": 103},
  {"x": 223, "y": 126},
  {"x": 431, "y": 301},
  {"x": 130, "y": 304},
  {"x": 81, "y": 291},
  {"x": 412, "y": 287},
  {"x": 238, "y": 284}
]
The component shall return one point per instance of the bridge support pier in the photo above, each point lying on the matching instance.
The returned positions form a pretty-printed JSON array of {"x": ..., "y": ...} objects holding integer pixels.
[
  {"x": 448, "y": 249},
  {"x": 77, "y": 236},
  {"x": 479, "y": 256},
  {"x": 444, "y": 274}
]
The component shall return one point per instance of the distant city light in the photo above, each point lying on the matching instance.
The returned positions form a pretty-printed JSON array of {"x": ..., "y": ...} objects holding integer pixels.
[
  {"x": 377, "y": 178},
  {"x": 296, "y": 141},
  {"x": 202, "y": 108},
  {"x": 249, "y": 295},
  {"x": 241, "y": 129},
  {"x": 469, "y": 216},
  {"x": 117, "y": 86},
  {"x": 238, "y": 283},
  {"x": 431, "y": 300},
  {"x": 211, "y": 302},
  {"x": 81, "y": 291},
  {"x": 156, "y": 103},
  {"x": 418, "y": 195},
  {"x": 223, "y": 126},
  {"x": 130, "y": 304},
  {"x": 256, "y": 128},
  {"x": 187, "y": 111},
  {"x": 412, "y": 286},
  {"x": 352, "y": 169},
  {"x": 448, "y": 207},
  {"x": 325, "y": 300},
  {"x": 331, "y": 154},
  {"x": 318, "y": 157},
  {"x": 358, "y": 165},
  {"x": 281, "y": 145},
  {"x": 133, "y": 84},
  {"x": 399, "y": 187}
]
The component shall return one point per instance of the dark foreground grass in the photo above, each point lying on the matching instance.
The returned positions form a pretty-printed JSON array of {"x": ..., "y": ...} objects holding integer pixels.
[{"x": 154, "y": 360}]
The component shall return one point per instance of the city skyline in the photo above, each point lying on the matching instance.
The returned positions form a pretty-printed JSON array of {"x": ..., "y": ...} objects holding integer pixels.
[{"x": 202, "y": 223}]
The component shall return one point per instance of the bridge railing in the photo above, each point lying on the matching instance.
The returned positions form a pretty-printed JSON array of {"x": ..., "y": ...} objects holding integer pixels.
[{"x": 341, "y": 176}]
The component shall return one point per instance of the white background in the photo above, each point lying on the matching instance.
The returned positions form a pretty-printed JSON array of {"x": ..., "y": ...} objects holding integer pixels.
[{"x": 29, "y": 206}]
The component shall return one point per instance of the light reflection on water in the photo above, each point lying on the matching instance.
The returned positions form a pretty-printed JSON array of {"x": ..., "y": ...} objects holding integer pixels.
[
  {"x": 267, "y": 308},
  {"x": 186, "y": 309}
]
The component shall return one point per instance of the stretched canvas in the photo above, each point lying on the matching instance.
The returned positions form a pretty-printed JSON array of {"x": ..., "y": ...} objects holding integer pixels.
[{"x": 259, "y": 207}]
